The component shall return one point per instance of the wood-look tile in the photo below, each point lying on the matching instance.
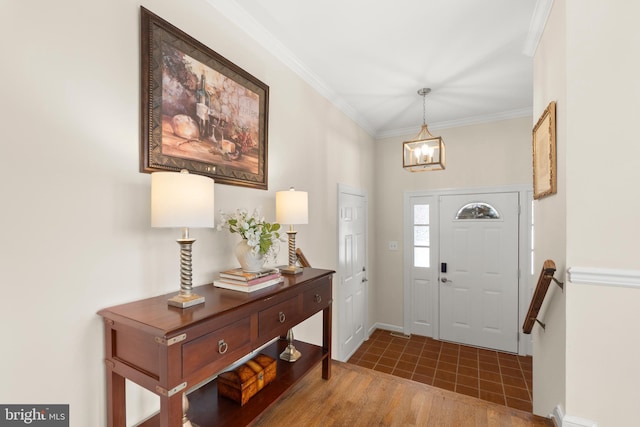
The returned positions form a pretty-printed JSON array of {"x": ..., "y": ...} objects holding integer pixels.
[
  {"x": 472, "y": 363},
  {"x": 469, "y": 391},
  {"x": 370, "y": 357},
  {"x": 425, "y": 370},
  {"x": 489, "y": 367},
  {"x": 402, "y": 373},
  {"x": 489, "y": 376},
  {"x": 382, "y": 368},
  {"x": 445, "y": 358},
  {"x": 514, "y": 381},
  {"x": 413, "y": 358},
  {"x": 492, "y": 397},
  {"x": 447, "y": 385},
  {"x": 392, "y": 353},
  {"x": 468, "y": 371},
  {"x": 512, "y": 372},
  {"x": 449, "y": 367},
  {"x": 467, "y": 381},
  {"x": 425, "y": 379},
  {"x": 445, "y": 376},
  {"x": 491, "y": 386},
  {"x": 366, "y": 364},
  {"x": 523, "y": 405},
  {"x": 405, "y": 366},
  {"x": 387, "y": 361},
  {"x": 516, "y": 392},
  {"x": 423, "y": 361}
]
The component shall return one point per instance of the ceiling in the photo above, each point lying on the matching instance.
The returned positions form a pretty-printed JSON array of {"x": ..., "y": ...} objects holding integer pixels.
[{"x": 370, "y": 57}]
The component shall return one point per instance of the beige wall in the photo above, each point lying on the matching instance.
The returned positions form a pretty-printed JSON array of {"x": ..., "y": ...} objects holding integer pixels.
[
  {"x": 484, "y": 155},
  {"x": 550, "y": 220},
  {"x": 76, "y": 235},
  {"x": 586, "y": 62},
  {"x": 603, "y": 106}
]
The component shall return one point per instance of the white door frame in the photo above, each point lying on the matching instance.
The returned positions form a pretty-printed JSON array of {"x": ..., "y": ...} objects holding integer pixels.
[
  {"x": 345, "y": 189},
  {"x": 524, "y": 259}
]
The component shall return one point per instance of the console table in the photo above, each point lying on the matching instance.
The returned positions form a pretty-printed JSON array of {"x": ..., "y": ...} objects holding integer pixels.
[{"x": 169, "y": 350}]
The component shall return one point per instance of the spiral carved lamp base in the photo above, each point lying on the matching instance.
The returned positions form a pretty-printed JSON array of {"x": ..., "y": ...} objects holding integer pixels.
[
  {"x": 185, "y": 298},
  {"x": 292, "y": 268}
]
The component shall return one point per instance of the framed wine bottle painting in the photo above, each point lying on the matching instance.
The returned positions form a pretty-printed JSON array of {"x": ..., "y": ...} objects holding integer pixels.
[{"x": 200, "y": 112}]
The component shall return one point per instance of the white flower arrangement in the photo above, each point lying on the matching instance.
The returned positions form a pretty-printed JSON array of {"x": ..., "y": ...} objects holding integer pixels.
[{"x": 259, "y": 234}]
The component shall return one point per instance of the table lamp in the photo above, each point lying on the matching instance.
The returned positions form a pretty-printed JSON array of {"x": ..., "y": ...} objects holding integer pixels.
[
  {"x": 292, "y": 208},
  {"x": 182, "y": 200}
]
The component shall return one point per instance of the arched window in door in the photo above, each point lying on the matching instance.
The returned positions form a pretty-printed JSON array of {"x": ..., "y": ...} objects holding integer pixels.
[{"x": 477, "y": 210}]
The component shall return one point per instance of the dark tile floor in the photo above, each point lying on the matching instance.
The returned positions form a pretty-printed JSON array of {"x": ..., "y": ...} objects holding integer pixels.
[{"x": 486, "y": 374}]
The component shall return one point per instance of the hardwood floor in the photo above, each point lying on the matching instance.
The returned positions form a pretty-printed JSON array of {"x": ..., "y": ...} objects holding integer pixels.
[{"x": 357, "y": 396}]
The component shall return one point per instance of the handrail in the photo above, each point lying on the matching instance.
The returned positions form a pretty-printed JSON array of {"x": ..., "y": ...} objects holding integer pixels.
[{"x": 546, "y": 276}]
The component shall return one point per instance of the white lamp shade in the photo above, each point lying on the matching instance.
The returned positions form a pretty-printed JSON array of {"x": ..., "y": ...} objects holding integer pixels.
[
  {"x": 292, "y": 207},
  {"x": 181, "y": 200}
]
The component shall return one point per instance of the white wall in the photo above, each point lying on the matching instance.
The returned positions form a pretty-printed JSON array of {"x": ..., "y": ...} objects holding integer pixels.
[
  {"x": 484, "y": 155},
  {"x": 75, "y": 213},
  {"x": 549, "y": 344}
]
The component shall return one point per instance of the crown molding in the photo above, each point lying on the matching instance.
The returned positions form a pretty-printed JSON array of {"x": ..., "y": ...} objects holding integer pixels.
[
  {"x": 536, "y": 26},
  {"x": 467, "y": 121},
  {"x": 239, "y": 16}
]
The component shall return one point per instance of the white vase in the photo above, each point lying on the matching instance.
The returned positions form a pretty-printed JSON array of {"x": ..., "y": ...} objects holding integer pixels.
[{"x": 249, "y": 261}]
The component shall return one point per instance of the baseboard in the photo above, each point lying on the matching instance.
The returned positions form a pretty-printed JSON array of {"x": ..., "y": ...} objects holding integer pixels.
[
  {"x": 560, "y": 419},
  {"x": 557, "y": 416},
  {"x": 386, "y": 327}
]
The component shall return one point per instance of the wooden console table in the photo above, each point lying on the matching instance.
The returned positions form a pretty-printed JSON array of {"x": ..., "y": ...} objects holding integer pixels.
[{"x": 169, "y": 350}]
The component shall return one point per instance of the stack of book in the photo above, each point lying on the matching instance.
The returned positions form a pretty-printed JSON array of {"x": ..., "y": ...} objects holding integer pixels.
[{"x": 238, "y": 280}]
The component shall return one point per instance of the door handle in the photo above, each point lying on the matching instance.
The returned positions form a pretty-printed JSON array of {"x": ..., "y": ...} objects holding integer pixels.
[
  {"x": 445, "y": 280},
  {"x": 364, "y": 280}
]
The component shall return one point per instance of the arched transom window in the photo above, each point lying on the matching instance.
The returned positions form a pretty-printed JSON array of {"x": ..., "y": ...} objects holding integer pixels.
[{"x": 477, "y": 210}]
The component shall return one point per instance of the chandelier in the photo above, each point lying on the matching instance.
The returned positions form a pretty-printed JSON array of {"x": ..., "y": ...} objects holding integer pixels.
[{"x": 424, "y": 152}]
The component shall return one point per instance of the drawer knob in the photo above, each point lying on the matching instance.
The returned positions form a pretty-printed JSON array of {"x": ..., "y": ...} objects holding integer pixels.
[
  {"x": 317, "y": 298},
  {"x": 282, "y": 317},
  {"x": 222, "y": 347}
]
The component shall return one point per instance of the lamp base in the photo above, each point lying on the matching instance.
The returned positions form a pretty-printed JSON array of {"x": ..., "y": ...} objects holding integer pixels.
[
  {"x": 184, "y": 301},
  {"x": 290, "y": 269},
  {"x": 290, "y": 354}
]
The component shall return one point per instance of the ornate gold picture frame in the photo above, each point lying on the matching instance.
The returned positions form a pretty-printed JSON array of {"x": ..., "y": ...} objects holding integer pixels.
[
  {"x": 200, "y": 112},
  {"x": 544, "y": 154}
]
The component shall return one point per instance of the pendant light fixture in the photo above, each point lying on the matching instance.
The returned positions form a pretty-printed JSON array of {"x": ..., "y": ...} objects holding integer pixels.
[{"x": 425, "y": 152}]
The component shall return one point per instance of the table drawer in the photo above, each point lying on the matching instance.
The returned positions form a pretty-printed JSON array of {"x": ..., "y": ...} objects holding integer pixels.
[
  {"x": 276, "y": 320},
  {"x": 316, "y": 299},
  {"x": 218, "y": 348}
]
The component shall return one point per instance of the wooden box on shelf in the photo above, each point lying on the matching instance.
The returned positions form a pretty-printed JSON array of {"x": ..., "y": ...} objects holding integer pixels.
[{"x": 242, "y": 383}]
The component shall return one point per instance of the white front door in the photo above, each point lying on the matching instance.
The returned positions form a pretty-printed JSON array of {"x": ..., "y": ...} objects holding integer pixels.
[
  {"x": 351, "y": 293},
  {"x": 479, "y": 270}
]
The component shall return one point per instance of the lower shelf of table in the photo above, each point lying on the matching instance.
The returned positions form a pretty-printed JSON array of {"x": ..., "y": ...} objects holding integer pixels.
[{"x": 207, "y": 409}]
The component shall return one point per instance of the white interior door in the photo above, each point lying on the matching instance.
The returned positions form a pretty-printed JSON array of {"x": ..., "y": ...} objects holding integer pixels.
[
  {"x": 479, "y": 290},
  {"x": 351, "y": 293}
]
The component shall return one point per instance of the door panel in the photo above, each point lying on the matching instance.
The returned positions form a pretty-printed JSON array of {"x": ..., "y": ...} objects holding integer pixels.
[{"x": 479, "y": 293}]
